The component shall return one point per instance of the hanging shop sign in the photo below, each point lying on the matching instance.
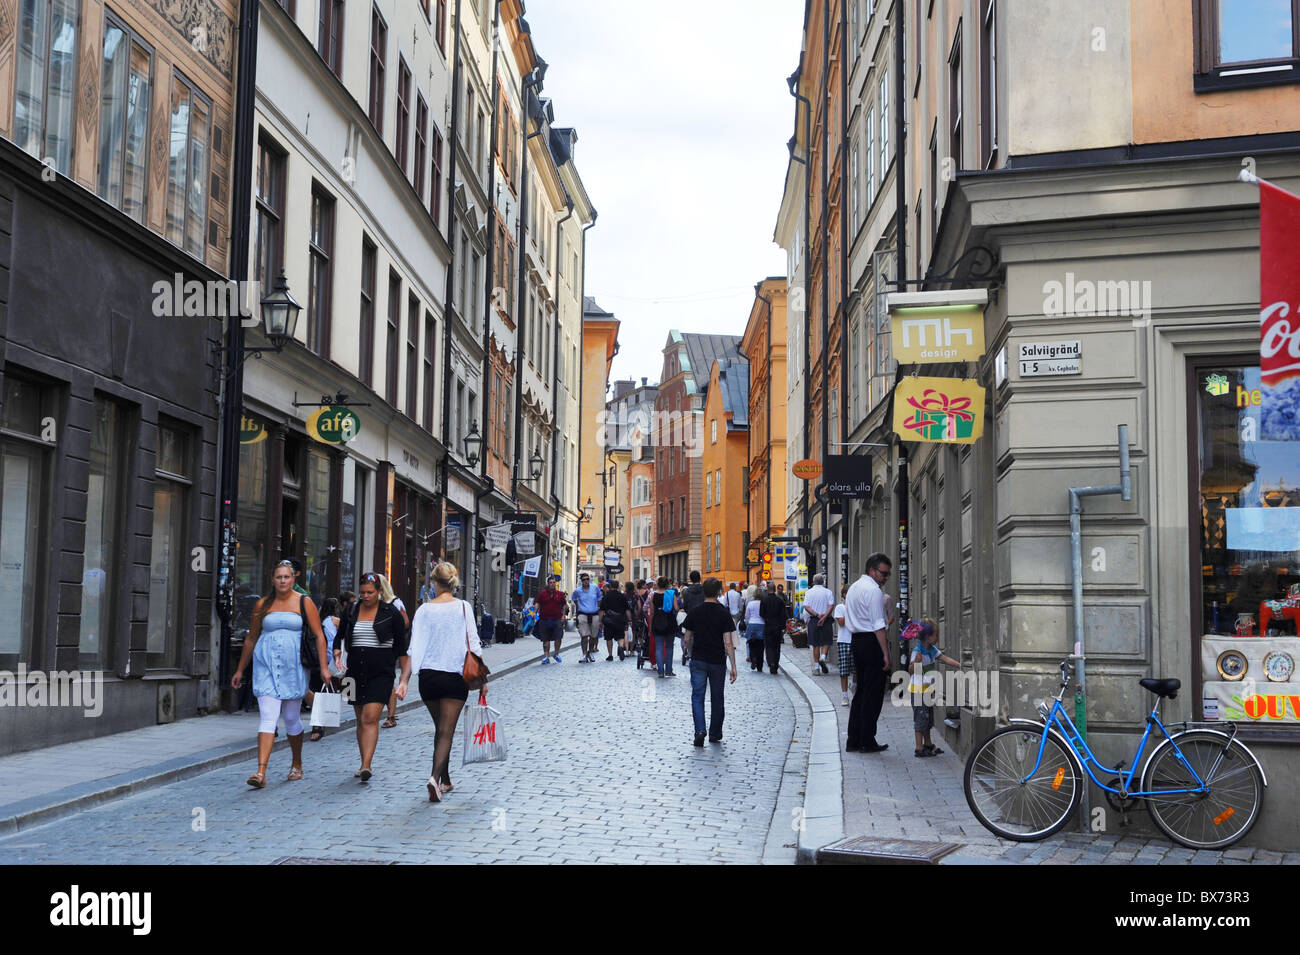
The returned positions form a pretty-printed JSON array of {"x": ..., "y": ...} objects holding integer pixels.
[
  {"x": 524, "y": 543},
  {"x": 847, "y": 476},
  {"x": 613, "y": 556},
  {"x": 1279, "y": 314},
  {"x": 941, "y": 410},
  {"x": 251, "y": 430},
  {"x": 333, "y": 424},
  {"x": 496, "y": 536},
  {"x": 1042, "y": 359},
  {"x": 928, "y": 335},
  {"x": 807, "y": 469}
]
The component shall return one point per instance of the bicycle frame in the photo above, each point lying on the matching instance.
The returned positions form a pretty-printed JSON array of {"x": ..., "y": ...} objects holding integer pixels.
[{"x": 1057, "y": 718}]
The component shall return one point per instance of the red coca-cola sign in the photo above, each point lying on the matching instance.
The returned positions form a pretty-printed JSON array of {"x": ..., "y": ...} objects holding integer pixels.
[{"x": 1279, "y": 285}]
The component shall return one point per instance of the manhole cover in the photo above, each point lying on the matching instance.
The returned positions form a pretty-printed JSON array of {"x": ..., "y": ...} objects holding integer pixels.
[
  {"x": 309, "y": 860},
  {"x": 869, "y": 850}
]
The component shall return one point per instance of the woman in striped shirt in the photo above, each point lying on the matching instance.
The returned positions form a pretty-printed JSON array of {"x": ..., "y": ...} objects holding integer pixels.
[{"x": 375, "y": 636}]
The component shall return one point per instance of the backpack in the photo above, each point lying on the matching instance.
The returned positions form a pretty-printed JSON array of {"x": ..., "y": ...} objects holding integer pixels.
[{"x": 664, "y": 621}]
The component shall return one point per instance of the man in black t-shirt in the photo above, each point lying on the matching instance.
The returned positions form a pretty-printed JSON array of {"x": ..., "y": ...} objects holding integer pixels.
[{"x": 708, "y": 640}]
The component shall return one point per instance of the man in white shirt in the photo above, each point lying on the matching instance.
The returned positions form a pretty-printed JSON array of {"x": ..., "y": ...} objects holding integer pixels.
[
  {"x": 735, "y": 606},
  {"x": 864, "y": 616},
  {"x": 818, "y": 603}
]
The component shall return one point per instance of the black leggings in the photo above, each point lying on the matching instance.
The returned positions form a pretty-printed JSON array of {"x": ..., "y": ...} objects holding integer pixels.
[{"x": 444, "y": 694}]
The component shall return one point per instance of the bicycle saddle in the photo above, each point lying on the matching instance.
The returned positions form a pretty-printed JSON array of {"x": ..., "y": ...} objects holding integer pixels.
[{"x": 1167, "y": 688}]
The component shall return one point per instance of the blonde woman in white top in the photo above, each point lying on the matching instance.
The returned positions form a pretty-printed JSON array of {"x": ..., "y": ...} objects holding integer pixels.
[{"x": 441, "y": 632}]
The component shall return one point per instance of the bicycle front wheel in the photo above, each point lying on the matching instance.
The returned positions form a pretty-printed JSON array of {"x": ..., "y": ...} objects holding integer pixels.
[
  {"x": 1214, "y": 819},
  {"x": 1013, "y": 799}
]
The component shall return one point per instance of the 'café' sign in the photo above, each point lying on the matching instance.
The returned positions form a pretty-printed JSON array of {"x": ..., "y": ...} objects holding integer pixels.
[{"x": 333, "y": 424}]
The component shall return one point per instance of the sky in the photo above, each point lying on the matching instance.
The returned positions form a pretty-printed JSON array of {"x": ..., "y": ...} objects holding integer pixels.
[{"x": 683, "y": 114}]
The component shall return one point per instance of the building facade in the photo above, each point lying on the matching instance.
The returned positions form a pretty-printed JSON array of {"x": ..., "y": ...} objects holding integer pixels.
[
  {"x": 765, "y": 349},
  {"x": 599, "y": 346},
  {"x": 115, "y": 154},
  {"x": 724, "y": 506}
]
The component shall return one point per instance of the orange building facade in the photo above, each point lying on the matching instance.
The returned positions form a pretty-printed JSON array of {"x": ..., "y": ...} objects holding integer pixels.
[
  {"x": 764, "y": 346},
  {"x": 725, "y": 462}
]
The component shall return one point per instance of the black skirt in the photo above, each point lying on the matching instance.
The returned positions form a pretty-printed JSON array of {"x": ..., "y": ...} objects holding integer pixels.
[{"x": 372, "y": 669}]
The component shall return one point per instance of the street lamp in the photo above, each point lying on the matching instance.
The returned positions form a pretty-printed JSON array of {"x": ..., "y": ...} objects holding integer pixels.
[
  {"x": 280, "y": 313},
  {"x": 473, "y": 441},
  {"x": 618, "y": 521},
  {"x": 587, "y": 510},
  {"x": 537, "y": 462}
]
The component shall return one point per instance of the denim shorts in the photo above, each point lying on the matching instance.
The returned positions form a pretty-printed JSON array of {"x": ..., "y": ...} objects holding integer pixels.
[{"x": 922, "y": 718}]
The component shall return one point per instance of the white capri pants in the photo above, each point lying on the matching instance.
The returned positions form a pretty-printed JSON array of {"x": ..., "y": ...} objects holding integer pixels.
[{"x": 269, "y": 708}]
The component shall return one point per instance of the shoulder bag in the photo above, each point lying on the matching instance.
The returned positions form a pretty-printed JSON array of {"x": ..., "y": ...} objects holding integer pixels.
[
  {"x": 475, "y": 670},
  {"x": 307, "y": 652}
]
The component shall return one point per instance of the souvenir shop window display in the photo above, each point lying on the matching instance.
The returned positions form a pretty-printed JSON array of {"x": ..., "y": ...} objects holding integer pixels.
[{"x": 1249, "y": 541}]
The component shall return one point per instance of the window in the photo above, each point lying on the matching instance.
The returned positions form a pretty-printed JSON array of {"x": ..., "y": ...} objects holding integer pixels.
[
  {"x": 713, "y": 431},
  {"x": 856, "y": 181},
  {"x": 421, "y": 144},
  {"x": 413, "y": 356},
  {"x": 394, "y": 323},
  {"x": 744, "y": 485},
  {"x": 672, "y": 514},
  {"x": 1244, "y": 514},
  {"x": 467, "y": 132},
  {"x": 708, "y": 489},
  {"x": 988, "y": 82},
  {"x": 369, "y": 255},
  {"x": 25, "y": 473},
  {"x": 1243, "y": 43},
  {"x": 430, "y": 338},
  {"x": 955, "y": 101},
  {"x": 268, "y": 224},
  {"x": 435, "y": 178},
  {"x": 187, "y": 167},
  {"x": 403, "y": 113},
  {"x": 934, "y": 186},
  {"x": 683, "y": 513},
  {"x": 329, "y": 35},
  {"x": 480, "y": 136},
  {"x": 442, "y": 26},
  {"x": 46, "y": 80},
  {"x": 871, "y": 169},
  {"x": 378, "y": 54},
  {"x": 104, "y": 507},
  {"x": 471, "y": 309},
  {"x": 320, "y": 278},
  {"x": 708, "y": 555},
  {"x": 717, "y": 486},
  {"x": 717, "y": 538},
  {"x": 124, "y": 118},
  {"x": 884, "y": 124},
  {"x": 168, "y": 553},
  {"x": 855, "y": 28}
]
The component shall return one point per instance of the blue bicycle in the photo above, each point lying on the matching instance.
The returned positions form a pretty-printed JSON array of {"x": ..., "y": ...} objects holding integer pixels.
[{"x": 1203, "y": 788}]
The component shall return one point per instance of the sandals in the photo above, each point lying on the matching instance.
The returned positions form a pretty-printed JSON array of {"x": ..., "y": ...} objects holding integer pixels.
[
  {"x": 317, "y": 735},
  {"x": 295, "y": 774},
  {"x": 929, "y": 749},
  {"x": 258, "y": 779},
  {"x": 389, "y": 723},
  {"x": 435, "y": 790},
  {"x": 363, "y": 775}
]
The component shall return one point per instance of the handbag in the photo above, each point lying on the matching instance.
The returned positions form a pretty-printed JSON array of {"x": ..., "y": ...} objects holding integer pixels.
[
  {"x": 485, "y": 740},
  {"x": 326, "y": 707},
  {"x": 475, "y": 671},
  {"x": 307, "y": 652}
]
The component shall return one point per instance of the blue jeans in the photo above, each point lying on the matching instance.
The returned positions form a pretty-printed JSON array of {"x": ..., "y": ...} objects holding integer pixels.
[
  {"x": 715, "y": 676},
  {"x": 664, "y": 652}
]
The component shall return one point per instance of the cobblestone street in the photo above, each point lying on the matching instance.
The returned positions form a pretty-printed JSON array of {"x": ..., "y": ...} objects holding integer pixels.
[{"x": 600, "y": 769}]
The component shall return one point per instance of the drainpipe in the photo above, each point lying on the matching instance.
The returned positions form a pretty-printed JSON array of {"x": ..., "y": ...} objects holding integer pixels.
[
  {"x": 241, "y": 197},
  {"x": 521, "y": 332},
  {"x": 447, "y": 308},
  {"x": 489, "y": 265},
  {"x": 823, "y": 237},
  {"x": 793, "y": 82},
  {"x": 1125, "y": 490}
]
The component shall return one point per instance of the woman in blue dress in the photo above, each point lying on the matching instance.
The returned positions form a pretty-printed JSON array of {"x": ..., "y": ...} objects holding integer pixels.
[{"x": 279, "y": 679}]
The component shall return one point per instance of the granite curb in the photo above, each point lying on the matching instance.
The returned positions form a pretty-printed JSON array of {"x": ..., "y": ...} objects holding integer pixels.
[
  {"x": 823, "y": 802},
  {"x": 38, "y": 810}
]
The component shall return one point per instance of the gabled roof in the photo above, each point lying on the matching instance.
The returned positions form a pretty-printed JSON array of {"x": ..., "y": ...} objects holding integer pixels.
[
  {"x": 733, "y": 382},
  {"x": 703, "y": 350}
]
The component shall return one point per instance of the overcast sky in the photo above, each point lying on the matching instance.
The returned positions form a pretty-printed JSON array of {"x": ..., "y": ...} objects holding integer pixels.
[{"x": 682, "y": 115}]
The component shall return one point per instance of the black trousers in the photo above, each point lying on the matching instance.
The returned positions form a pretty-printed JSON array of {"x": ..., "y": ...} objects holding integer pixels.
[
  {"x": 864, "y": 714},
  {"x": 772, "y": 644}
]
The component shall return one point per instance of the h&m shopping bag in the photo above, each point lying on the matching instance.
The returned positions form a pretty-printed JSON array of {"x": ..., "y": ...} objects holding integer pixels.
[
  {"x": 326, "y": 707},
  {"x": 485, "y": 740}
]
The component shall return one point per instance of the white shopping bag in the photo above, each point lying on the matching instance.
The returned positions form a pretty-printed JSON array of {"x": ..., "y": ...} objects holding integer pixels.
[
  {"x": 485, "y": 740},
  {"x": 326, "y": 707}
]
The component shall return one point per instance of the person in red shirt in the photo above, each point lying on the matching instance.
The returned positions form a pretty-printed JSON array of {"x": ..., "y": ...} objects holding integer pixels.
[{"x": 551, "y": 602}]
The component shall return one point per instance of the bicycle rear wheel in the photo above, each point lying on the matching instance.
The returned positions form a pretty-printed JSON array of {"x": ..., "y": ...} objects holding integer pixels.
[
  {"x": 1217, "y": 818},
  {"x": 1010, "y": 797}
]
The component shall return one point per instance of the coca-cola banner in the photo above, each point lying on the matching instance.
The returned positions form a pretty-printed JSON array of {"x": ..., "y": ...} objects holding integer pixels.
[{"x": 1279, "y": 313}]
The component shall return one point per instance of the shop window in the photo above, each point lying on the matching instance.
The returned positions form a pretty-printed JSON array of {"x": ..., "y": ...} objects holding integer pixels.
[
  {"x": 26, "y": 450},
  {"x": 1246, "y": 533},
  {"x": 315, "y": 546},
  {"x": 251, "y": 570},
  {"x": 104, "y": 508},
  {"x": 168, "y": 553}
]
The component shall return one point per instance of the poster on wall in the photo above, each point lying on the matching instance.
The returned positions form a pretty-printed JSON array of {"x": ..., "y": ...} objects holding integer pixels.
[{"x": 1279, "y": 313}]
